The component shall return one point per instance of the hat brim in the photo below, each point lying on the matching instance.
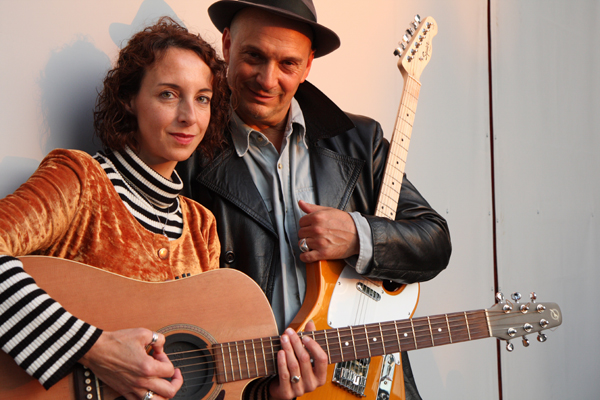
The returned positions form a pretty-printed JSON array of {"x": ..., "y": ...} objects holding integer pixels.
[{"x": 222, "y": 12}]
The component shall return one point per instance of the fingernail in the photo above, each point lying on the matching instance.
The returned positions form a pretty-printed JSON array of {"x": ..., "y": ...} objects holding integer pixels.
[
  {"x": 289, "y": 331},
  {"x": 285, "y": 339}
]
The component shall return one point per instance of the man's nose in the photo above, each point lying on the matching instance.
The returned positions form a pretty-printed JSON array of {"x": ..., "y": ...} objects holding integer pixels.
[{"x": 267, "y": 76}]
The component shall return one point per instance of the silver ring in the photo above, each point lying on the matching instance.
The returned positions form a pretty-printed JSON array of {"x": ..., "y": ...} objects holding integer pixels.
[
  {"x": 154, "y": 338},
  {"x": 303, "y": 246},
  {"x": 295, "y": 379},
  {"x": 149, "y": 395}
]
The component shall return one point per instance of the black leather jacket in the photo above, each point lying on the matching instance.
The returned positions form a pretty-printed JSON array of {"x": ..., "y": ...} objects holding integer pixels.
[{"x": 347, "y": 154}]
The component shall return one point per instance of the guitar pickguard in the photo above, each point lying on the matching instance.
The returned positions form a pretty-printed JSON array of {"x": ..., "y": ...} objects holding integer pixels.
[{"x": 356, "y": 301}]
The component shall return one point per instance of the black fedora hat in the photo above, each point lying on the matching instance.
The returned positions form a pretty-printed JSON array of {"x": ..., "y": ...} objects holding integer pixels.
[{"x": 325, "y": 40}]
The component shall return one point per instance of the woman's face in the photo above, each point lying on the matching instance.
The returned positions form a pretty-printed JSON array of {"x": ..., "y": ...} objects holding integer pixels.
[{"x": 172, "y": 109}]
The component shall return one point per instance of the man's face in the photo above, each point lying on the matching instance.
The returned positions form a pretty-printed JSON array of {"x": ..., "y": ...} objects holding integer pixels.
[{"x": 268, "y": 58}]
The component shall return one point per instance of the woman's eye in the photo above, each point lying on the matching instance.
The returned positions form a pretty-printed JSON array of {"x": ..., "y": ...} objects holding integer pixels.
[
  {"x": 204, "y": 100},
  {"x": 167, "y": 95}
]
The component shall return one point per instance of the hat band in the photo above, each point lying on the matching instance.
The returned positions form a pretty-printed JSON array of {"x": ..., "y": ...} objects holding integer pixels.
[{"x": 295, "y": 7}]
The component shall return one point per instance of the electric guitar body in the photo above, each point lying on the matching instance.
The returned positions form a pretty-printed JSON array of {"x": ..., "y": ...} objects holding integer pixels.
[{"x": 337, "y": 297}]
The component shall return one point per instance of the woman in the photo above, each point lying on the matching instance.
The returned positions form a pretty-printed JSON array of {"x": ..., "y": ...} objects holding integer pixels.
[{"x": 119, "y": 211}]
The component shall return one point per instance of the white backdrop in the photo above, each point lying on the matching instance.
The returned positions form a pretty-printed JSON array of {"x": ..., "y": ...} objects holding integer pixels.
[{"x": 543, "y": 116}]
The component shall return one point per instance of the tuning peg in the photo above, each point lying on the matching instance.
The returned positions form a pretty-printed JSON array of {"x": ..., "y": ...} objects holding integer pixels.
[
  {"x": 410, "y": 31},
  {"x": 542, "y": 337},
  {"x": 398, "y": 52},
  {"x": 509, "y": 346},
  {"x": 499, "y": 297},
  {"x": 524, "y": 308},
  {"x": 525, "y": 341},
  {"x": 418, "y": 19},
  {"x": 540, "y": 308},
  {"x": 405, "y": 38},
  {"x": 516, "y": 296},
  {"x": 533, "y": 297}
]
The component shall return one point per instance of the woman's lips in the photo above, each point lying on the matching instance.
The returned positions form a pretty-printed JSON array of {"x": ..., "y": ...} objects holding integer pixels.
[{"x": 183, "y": 138}]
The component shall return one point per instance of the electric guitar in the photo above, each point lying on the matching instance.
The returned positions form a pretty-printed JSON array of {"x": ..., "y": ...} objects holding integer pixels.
[
  {"x": 221, "y": 333},
  {"x": 337, "y": 295}
]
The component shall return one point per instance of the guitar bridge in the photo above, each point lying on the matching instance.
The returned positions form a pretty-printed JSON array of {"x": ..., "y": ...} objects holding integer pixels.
[{"x": 352, "y": 375}]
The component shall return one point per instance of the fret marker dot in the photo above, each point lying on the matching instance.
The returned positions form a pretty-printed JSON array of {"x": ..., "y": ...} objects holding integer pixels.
[
  {"x": 346, "y": 344},
  {"x": 439, "y": 329},
  {"x": 374, "y": 339},
  {"x": 406, "y": 335}
]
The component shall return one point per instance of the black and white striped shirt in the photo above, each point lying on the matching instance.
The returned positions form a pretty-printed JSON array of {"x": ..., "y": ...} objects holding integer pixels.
[
  {"x": 152, "y": 199},
  {"x": 40, "y": 335}
]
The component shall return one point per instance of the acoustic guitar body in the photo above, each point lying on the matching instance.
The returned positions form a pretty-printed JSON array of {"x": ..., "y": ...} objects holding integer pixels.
[{"x": 193, "y": 313}]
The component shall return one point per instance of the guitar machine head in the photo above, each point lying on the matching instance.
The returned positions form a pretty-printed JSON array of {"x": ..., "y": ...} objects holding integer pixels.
[
  {"x": 511, "y": 319},
  {"x": 415, "y": 48}
]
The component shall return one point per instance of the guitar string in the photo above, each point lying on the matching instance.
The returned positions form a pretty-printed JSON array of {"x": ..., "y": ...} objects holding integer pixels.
[
  {"x": 346, "y": 334},
  {"x": 243, "y": 372},
  {"x": 475, "y": 331},
  {"x": 400, "y": 128}
]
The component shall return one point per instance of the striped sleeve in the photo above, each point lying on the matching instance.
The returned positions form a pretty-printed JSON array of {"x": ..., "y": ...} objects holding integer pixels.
[{"x": 41, "y": 336}]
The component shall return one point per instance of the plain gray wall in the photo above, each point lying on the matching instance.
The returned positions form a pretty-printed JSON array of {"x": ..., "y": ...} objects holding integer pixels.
[{"x": 544, "y": 104}]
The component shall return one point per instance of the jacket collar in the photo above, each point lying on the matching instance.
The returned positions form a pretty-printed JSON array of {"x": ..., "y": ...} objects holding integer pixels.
[{"x": 324, "y": 119}]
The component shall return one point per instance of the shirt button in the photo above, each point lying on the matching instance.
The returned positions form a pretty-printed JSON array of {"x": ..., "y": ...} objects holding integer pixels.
[
  {"x": 163, "y": 253},
  {"x": 229, "y": 257},
  {"x": 279, "y": 166}
]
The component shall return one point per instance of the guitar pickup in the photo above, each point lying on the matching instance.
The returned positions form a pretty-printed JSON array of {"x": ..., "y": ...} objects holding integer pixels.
[{"x": 367, "y": 291}]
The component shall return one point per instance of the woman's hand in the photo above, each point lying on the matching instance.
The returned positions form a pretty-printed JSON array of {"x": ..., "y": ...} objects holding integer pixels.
[
  {"x": 294, "y": 360},
  {"x": 120, "y": 360}
]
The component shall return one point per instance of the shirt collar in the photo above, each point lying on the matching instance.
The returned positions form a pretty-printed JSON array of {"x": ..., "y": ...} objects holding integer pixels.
[{"x": 240, "y": 132}]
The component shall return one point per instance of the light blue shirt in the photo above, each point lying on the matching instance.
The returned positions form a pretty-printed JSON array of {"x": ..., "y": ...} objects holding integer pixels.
[{"x": 282, "y": 180}]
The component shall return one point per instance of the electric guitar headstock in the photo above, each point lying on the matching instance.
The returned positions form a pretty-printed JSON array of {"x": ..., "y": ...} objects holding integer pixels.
[
  {"x": 512, "y": 319},
  {"x": 415, "y": 49}
]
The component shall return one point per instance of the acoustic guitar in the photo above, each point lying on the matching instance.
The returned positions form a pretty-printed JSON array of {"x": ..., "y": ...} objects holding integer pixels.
[
  {"x": 221, "y": 333},
  {"x": 337, "y": 296}
]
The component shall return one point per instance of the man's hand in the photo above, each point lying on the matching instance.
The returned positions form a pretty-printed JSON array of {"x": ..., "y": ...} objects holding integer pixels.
[
  {"x": 330, "y": 233},
  {"x": 294, "y": 360},
  {"x": 120, "y": 360}
]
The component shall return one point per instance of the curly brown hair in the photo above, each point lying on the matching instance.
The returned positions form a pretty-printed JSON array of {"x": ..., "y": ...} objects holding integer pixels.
[{"x": 116, "y": 126}]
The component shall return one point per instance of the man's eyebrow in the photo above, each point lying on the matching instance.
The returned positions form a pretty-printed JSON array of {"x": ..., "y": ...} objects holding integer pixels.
[{"x": 254, "y": 49}]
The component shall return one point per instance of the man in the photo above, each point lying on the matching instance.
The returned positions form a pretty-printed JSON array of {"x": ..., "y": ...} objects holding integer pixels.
[{"x": 291, "y": 148}]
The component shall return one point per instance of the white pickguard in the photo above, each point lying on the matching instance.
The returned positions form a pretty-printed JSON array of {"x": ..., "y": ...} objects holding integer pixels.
[{"x": 350, "y": 306}]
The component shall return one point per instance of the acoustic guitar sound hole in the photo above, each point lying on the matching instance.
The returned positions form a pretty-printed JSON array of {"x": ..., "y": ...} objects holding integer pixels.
[{"x": 189, "y": 353}]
